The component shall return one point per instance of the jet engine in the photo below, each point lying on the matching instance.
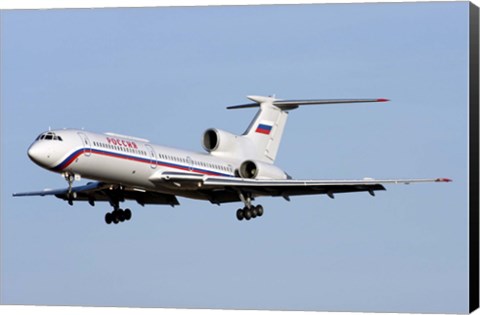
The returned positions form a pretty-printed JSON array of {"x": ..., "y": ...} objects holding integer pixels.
[
  {"x": 259, "y": 170},
  {"x": 216, "y": 140}
]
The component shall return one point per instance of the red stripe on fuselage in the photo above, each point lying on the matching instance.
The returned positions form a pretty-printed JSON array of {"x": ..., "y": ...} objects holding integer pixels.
[
  {"x": 73, "y": 158},
  {"x": 138, "y": 159}
]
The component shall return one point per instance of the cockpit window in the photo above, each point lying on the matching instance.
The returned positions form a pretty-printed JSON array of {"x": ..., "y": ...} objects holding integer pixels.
[{"x": 49, "y": 136}]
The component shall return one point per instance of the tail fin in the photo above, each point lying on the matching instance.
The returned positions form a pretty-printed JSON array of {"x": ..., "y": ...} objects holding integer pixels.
[{"x": 266, "y": 129}]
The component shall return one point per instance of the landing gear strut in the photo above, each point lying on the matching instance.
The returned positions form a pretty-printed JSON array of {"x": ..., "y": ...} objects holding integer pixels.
[
  {"x": 69, "y": 177},
  {"x": 249, "y": 211}
]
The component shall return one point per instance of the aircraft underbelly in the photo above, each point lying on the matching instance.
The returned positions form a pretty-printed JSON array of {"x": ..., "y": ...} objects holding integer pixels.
[
  {"x": 128, "y": 173},
  {"x": 109, "y": 169}
]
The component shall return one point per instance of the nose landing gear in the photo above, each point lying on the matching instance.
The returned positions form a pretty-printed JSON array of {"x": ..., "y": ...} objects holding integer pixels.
[{"x": 70, "y": 178}]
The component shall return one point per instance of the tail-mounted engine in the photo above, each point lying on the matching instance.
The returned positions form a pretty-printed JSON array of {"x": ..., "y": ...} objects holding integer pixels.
[
  {"x": 215, "y": 140},
  {"x": 226, "y": 144},
  {"x": 259, "y": 170}
]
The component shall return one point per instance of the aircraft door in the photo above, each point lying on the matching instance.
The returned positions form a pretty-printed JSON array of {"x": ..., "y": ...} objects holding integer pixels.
[
  {"x": 87, "y": 146},
  {"x": 190, "y": 163},
  {"x": 152, "y": 155}
]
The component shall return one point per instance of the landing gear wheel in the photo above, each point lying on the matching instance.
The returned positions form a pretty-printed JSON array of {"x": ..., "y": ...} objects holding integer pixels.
[
  {"x": 118, "y": 215},
  {"x": 108, "y": 218},
  {"x": 121, "y": 215},
  {"x": 240, "y": 215},
  {"x": 247, "y": 214},
  {"x": 128, "y": 214},
  {"x": 115, "y": 217},
  {"x": 259, "y": 209}
]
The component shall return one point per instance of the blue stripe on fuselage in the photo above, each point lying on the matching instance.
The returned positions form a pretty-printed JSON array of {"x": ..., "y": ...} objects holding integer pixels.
[{"x": 79, "y": 152}]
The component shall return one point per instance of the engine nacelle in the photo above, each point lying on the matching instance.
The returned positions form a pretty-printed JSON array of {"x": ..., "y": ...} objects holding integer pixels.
[
  {"x": 216, "y": 140},
  {"x": 259, "y": 170}
]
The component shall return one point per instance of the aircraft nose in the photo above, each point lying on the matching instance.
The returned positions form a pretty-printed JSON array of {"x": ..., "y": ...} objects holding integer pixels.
[
  {"x": 33, "y": 152},
  {"x": 39, "y": 154}
]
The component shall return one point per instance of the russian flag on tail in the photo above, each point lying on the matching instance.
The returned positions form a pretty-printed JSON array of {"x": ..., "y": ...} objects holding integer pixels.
[{"x": 264, "y": 128}]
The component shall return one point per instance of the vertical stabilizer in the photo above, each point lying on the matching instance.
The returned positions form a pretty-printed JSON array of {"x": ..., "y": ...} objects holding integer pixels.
[{"x": 266, "y": 129}]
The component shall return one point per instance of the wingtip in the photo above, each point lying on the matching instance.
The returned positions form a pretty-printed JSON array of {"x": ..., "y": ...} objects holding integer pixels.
[
  {"x": 443, "y": 180},
  {"x": 383, "y": 100}
]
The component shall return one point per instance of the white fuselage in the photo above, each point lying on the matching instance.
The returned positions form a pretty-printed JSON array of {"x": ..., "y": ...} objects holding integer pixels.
[{"x": 123, "y": 160}]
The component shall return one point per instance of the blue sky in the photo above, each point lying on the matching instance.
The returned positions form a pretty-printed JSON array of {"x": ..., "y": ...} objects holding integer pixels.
[{"x": 167, "y": 74}]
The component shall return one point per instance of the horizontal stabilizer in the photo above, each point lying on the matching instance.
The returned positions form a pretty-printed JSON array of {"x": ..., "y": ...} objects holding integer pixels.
[{"x": 292, "y": 104}]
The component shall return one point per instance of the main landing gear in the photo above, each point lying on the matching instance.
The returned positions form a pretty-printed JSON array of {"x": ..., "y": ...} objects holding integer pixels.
[
  {"x": 118, "y": 215},
  {"x": 249, "y": 211}
]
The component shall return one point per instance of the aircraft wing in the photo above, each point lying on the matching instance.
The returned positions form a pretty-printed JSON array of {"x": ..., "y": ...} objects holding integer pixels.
[
  {"x": 226, "y": 189},
  {"x": 97, "y": 191},
  {"x": 50, "y": 192}
]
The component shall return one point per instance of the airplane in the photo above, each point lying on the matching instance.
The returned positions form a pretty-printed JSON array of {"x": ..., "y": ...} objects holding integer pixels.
[{"x": 235, "y": 168}]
